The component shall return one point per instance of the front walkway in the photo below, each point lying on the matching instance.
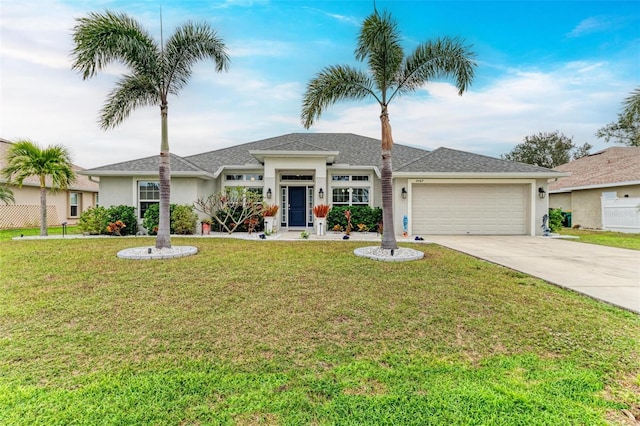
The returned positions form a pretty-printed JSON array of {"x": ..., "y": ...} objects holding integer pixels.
[{"x": 605, "y": 273}]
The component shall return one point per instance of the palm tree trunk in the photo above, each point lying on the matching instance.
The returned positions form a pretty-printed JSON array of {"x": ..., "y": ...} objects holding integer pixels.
[
  {"x": 388, "y": 233},
  {"x": 43, "y": 208},
  {"x": 163, "y": 240}
]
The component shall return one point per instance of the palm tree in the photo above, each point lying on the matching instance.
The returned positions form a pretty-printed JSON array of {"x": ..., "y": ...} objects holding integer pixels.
[
  {"x": 25, "y": 158},
  {"x": 391, "y": 74},
  {"x": 156, "y": 70}
]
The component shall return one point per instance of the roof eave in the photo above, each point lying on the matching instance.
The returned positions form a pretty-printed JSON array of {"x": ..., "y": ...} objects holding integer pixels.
[
  {"x": 260, "y": 155},
  {"x": 480, "y": 175},
  {"x": 129, "y": 173},
  {"x": 594, "y": 186}
]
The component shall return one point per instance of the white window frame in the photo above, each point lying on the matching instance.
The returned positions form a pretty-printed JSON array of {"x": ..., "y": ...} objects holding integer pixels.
[
  {"x": 147, "y": 201},
  {"x": 77, "y": 204}
]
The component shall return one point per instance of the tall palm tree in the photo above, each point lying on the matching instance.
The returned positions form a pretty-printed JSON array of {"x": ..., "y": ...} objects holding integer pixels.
[
  {"x": 391, "y": 74},
  {"x": 156, "y": 70},
  {"x": 25, "y": 158}
]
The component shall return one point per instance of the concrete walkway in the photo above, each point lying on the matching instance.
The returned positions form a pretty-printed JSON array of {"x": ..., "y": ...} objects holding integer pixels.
[{"x": 604, "y": 273}]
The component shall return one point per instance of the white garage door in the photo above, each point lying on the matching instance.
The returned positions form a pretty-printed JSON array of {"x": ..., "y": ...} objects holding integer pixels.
[{"x": 478, "y": 209}]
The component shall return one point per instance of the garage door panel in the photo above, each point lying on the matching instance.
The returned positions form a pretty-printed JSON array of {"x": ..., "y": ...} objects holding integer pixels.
[{"x": 488, "y": 209}]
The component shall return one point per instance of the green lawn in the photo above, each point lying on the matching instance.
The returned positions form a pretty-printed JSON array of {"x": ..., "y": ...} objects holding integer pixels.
[
  {"x": 7, "y": 234},
  {"x": 268, "y": 332},
  {"x": 605, "y": 238}
]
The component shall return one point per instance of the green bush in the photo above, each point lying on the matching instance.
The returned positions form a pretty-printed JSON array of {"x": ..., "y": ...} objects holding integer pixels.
[
  {"x": 555, "y": 219},
  {"x": 126, "y": 214},
  {"x": 151, "y": 218},
  {"x": 183, "y": 220},
  {"x": 370, "y": 217},
  {"x": 94, "y": 221}
]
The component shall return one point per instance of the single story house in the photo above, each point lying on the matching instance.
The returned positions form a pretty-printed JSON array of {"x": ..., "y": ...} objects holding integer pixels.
[
  {"x": 62, "y": 206},
  {"x": 444, "y": 191},
  {"x": 613, "y": 173}
]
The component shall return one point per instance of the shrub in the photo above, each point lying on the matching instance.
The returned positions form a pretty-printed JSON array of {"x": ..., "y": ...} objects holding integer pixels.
[
  {"x": 270, "y": 210},
  {"x": 151, "y": 218},
  {"x": 115, "y": 228},
  {"x": 321, "y": 210},
  {"x": 94, "y": 221},
  {"x": 183, "y": 220},
  {"x": 370, "y": 217},
  {"x": 125, "y": 214},
  {"x": 555, "y": 219}
]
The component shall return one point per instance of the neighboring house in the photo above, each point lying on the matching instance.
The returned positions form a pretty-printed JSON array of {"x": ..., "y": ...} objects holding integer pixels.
[
  {"x": 440, "y": 192},
  {"x": 62, "y": 206},
  {"x": 613, "y": 173}
]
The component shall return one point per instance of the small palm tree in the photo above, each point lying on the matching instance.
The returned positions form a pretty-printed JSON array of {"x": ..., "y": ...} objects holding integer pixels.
[
  {"x": 156, "y": 70},
  {"x": 391, "y": 74},
  {"x": 6, "y": 195},
  {"x": 25, "y": 158}
]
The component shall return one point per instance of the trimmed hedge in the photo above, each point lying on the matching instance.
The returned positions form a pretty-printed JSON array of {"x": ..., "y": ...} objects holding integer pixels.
[{"x": 371, "y": 217}]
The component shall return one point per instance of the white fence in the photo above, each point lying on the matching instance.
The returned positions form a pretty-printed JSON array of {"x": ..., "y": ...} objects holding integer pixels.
[{"x": 621, "y": 214}]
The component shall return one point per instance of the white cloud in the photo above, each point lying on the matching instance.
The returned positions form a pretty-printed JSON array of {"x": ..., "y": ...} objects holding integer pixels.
[
  {"x": 593, "y": 24},
  {"x": 575, "y": 99}
]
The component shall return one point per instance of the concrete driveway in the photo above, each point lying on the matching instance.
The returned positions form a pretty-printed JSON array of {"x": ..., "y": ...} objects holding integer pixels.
[{"x": 605, "y": 273}]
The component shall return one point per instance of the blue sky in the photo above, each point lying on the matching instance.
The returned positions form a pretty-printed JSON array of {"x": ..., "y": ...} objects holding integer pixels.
[{"x": 542, "y": 66}]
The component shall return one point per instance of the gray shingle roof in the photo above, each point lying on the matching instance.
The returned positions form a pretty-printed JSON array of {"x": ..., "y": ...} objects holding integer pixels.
[
  {"x": 445, "y": 160},
  {"x": 354, "y": 150},
  {"x": 150, "y": 164}
]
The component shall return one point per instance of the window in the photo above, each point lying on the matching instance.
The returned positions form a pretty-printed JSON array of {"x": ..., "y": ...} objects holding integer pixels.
[
  {"x": 251, "y": 177},
  {"x": 353, "y": 178},
  {"x": 340, "y": 196},
  {"x": 74, "y": 204},
  {"x": 360, "y": 196},
  {"x": 148, "y": 194},
  {"x": 350, "y": 196},
  {"x": 297, "y": 177}
]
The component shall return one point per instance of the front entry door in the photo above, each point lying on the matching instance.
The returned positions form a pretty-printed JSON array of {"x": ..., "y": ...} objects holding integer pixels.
[{"x": 297, "y": 206}]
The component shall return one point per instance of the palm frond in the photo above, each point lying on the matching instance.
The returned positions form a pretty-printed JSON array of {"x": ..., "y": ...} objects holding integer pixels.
[
  {"x": 444, "y": 57},
  {"x": 6, "y": 195},
  {"x": 631, "y": 105},
  {"x": 333, "y": 84},
  {"x": 25, "y": 158},
  {"x": 131, "y": 92},
  {"x": 189, "y": 44},
  {"x": 379, "y": 45},
  {"x": 101, "y": 38}
]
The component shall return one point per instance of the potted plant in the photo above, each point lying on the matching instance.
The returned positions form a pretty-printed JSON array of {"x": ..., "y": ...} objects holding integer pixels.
[
  {"x": 321, "y": 211},
  {"x": 269, "y": 212},
  {"x": 206, "y": 226}
]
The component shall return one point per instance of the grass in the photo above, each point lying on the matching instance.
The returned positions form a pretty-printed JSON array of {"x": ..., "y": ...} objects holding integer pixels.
[
  {"x": 7, "y": 234},
  {"x": 605, "y": 238},
  {"x": 255, "y": 332}
]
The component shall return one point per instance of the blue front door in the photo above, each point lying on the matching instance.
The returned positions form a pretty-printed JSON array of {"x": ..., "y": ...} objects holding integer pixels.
[{"x": 297, "y": 206}]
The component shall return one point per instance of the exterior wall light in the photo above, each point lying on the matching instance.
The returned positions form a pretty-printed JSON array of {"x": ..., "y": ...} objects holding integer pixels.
[
  {"x": 320, "y": 193},
  {"x": 269, "y": 193},
  {"x": 404, "y": 193},
  {"x": 541, "y": 192}
]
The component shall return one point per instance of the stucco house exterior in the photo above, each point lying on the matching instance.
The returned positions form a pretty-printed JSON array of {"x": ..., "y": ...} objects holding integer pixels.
[
  {"x": 62, "y": 206},
  {"x": 613, "y": 173},
  {"x": 444, "y": 191}
]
